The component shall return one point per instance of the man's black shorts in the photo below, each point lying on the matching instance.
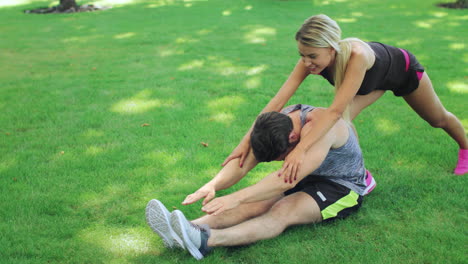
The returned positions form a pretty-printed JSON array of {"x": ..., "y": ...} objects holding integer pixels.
[{"x": 334, "y": 200}]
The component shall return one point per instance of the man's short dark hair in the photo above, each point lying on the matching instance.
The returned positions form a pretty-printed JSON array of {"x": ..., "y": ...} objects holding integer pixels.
[{"x": 270, "y": 136}]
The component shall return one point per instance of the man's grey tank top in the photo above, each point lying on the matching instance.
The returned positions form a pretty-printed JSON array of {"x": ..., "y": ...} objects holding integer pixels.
[{"x": 343, "y": 165}]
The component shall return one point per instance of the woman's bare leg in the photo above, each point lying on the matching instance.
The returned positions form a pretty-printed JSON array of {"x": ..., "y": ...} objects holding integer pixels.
[{"x": 426, "y": 103}]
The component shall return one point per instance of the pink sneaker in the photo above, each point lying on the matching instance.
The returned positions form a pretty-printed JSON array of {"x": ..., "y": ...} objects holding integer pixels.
[
  {"x": 370, "y": 183},
  {"x": 462, "y": 165}
]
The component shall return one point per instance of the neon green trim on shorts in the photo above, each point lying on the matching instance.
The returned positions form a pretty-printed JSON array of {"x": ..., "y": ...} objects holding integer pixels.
[{"x": 347, "y": 201}]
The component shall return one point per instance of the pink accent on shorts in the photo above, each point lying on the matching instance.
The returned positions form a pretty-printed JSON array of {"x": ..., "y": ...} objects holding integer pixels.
[
  {"x": 420, "y": 75},
  {"x": 406, "y": 59}
]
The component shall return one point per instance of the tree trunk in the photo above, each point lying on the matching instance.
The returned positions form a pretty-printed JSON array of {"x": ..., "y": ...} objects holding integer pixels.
[
  {"x": 458, "y": 4},
  {"x": 462, "y": 3},
  {"x": 67, "y": 5}
]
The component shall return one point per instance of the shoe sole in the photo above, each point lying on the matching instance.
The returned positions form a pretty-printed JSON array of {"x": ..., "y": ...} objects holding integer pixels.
[
  {"x": 157, "y": 217},
  {"x": 178, "y": 221}
]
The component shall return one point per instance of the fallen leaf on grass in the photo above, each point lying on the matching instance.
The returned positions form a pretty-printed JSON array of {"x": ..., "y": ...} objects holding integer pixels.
[
  {"x": 145, "y": 125},
  {"x": 204, "y": 144}
]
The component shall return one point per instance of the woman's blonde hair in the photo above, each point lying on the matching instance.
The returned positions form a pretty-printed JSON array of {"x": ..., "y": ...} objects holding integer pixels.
[{"x": 321, "y": 31}]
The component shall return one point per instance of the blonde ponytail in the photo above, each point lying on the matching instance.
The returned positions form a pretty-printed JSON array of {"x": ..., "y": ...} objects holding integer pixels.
[{"x": 342, "y": 58}]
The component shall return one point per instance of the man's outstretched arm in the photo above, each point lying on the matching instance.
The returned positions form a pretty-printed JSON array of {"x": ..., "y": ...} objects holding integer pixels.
[
  {"x": 229, "y": 175},
  {"x": 272, "y": 185}
]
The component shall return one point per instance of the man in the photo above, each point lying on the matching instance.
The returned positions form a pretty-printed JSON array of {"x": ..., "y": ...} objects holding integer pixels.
[{"x": 329, "y": 185}]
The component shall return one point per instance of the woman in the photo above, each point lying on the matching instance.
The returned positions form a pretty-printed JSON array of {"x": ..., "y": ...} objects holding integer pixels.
[{"x": 361, "y": 73}]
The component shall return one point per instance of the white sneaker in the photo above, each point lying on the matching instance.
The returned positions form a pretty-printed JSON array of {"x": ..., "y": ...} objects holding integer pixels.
[
  {"x": 158, "y": 217},
  {"x": 195, "y": 237}
]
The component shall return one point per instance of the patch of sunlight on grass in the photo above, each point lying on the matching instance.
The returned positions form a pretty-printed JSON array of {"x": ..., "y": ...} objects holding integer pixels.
[
  {"x": 387, "y": 126},
  {"x": 224, "y": 118},
  {"x": 357, "y": 14},
  {"x": 440, "y": 14},
  {"x": 118, "y": 241},
  {"x": 425, "y": 24},
  {"x": 346, "y": 20},
  {"x": 135, "y": 106},
  {"x": 225, "y": 103},
  {"x": 408, "y": 164},
  {"x": 258, "y": 34},
  {"x": 253, "y": 82},
  {"x": 453, "y": 24},
  {"x": 225, "y": 67},
  {"x": 140, "y": 103},
  {"x": 79, "y": 39},
  {"x": 408, "y": 42},
  {"x": 398, "y": 162},
  {"x": 124, "y": 35},
  {"x": 257, "y": 70},
  {"x": 328, "y": 2},
  {"x": 461, "y": 17},
  {"x": 458, "y": 87},
  {"x": 203, "y": 32},
  {"x": 160, "y": 3},
  {"x": 5, "y": 3},
  {"x": 114, "y": 2},
  {"x": 6, "y": 164},
  {"x": 165, "y": 158},
  {"x": 93, "y": 133},
  {"x": 464, "y": 123},
  {"x": 168, "y": 51},
  {"x": 94, "y": 150},
  {"x": 222, "y": 108},
  {"x": 457, "y": 46},
  {"x": 147, "y": 190},
  {"x": 249, "y": 7},
  {"x": 227, "y": 13},
  {"x": 174, "y": 181},
  {"x": 191, "y": 65},
  {"x": 60, "y": 155},
  {"x": 183, "y": 40},
  {"x": 451, "y": 38},
  {"x": 111, "y": 193}
]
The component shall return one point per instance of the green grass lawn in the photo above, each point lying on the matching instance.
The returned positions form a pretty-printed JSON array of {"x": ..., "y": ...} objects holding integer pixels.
[{"x": 101, "y": 112}]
